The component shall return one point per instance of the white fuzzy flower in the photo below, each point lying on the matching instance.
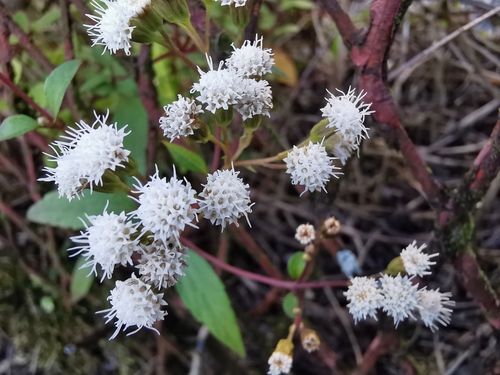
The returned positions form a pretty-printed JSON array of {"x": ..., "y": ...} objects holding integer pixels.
[
  {"x": 85, "y": 153},
  {"x": 136, "y": 7},
  {"x": 108, "y": 241},
  {"x": 279, "y": 363},
  {"x": 251, "y": 59},
  {"x": 415, "y": 261},
  {"x": 112, "y": 29},
  {"x": 364, "y": 298},
  {"x": 237, "y": 3},
  {"x": 162, "y": 264},
  {"x": 310, "y": 166},
  {"x": 256, "y": 98},
  {"x": 180, "y": 118},
  {"x": 133, "y": 303},
  {"x": 225, "y": 198},
  {"x": 165, "y": 207},
  {"x": 400, "y": 297},
  {"x": 432, "y": 308},
  {"x": 305, "y": 234},
  {"x": 218, "y": 88},
  {"x": 347, "y": 114}
]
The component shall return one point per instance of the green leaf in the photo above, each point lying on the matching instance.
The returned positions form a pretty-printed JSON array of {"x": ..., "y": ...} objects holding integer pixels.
[
  {"x": 82, "y": 280},
  {"x": 296, "y": 265},
  {"x": 290, "y": 302},
  {"x": 57, "y": 83},
  {"x": 185, "y": 159},
  {"x": 59, "y": 212},
  {"x": 130, "y": 111},
  {"x": 17, "y": 125},
  {"x": 204, "y": 295}
]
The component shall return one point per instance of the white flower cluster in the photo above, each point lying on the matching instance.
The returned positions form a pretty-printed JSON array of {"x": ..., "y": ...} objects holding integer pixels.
[
  {"x": 112, "y": 23},
  {"x": 398, "y": 296},
  {"x": 85, "y": 154},
  {"x": 346, "y": 113},
  {"x": 236, "y": 82},
  {"x": 237, "y": 3},
  {"x": 310, "y": 166},
  {"x": 279, "y": 363}
]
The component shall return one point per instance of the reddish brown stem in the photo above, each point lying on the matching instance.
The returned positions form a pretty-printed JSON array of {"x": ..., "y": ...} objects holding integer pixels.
[{"x": 291, "y": 285}]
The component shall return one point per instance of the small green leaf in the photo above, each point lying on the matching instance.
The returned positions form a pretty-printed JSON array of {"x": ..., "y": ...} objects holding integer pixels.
[
  {"x": 185, "y": 159},
  {"x": 59, "y": 212},
  {"x": 82, "y": 280},
  {"x": 296, "y": 265},
  {"x": 290, "y": 302},
  {"x": 204, "y": 295},
  {"x": 57, "y": 83},
  {"x": 47, "y": 304},
  {"x": 17, "y": 125}
]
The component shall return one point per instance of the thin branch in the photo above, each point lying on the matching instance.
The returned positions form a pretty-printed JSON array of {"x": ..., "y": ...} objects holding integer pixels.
[{"x": 349, "y": 33}]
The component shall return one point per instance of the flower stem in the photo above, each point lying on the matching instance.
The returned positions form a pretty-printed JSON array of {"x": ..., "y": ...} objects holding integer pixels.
[
  {"x": 262, "y": 161},
  {"x": 168, "y": 43},
  {"x": 195, "y": 37}
]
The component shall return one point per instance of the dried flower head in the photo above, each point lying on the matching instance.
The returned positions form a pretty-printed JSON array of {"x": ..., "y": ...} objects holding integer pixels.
[
  {"x": 165, "y": 208},
  {"x": 310, "y": 166},
  {"x": 305, "y": 234},
  {"x": 400, "y": 297},
  {"x": 108, "y": 241},
  {"x": 84, "y": 154},
  {"x": 310, "y": 340},
  {"x": 133, "y": 303},
  {"x": 364, "y": 298},
  {"x": 415, "y": 261},
  {"x": 161, "y": 264},
  {"x": 181, "y": 116},
  {"x": 432, "y": 306},
  {"x": 225, "y": 198},
  {"x": 251, "y": 59},
  {"x": 331, "y": 226}
]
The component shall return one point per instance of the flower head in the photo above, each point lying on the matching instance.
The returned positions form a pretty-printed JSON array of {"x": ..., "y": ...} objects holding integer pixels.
[
  {"x": 237, "y": 3},
  {"x": 85, "y": 153},
  {"x": 432, "y": 308},
  {"x": 111, "y": 29},
  {"x": 225, "y": 198},
  {"x": 256, "y": 98},
  {"x": 310, "y": 166},
  {"x": 108, "y": 241},
  {"x": 180, "y": 118},
  {"x": 165, "y": 207},
  {"x": 281, "y": 360},
  {"x": 218, "y": 88},
  {"x": 415, "y": 261},
  {"x": 162, "y": 264},
  {"x": 400, "y": 297},
  {"x": 136, "y": 7},
  {"x": 305, "y": 234},
  {"x": 251, "y": 59},
  {"x": 347, "y": 114},
  {"x": 310, "y": 340},
  {"x": 133, "y": 303},
  {"x": 364, "y": 298}
]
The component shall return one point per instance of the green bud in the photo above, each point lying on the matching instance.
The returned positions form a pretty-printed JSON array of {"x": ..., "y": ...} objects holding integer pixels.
[
  {"x": 252, "y": 123},
  {"x": 129, "y": 168},
  {"x": 146, "y": 25},
  {"x": 224, "y": 116},
  {"x": 395, "y": 267},
  {"x": 201, "y": 131},
  {"x": 329, "y": 136},
  {"x": 174, "y": 11},
  {"x": 111, "y": 183},
  {"x": 241, "y": 15}
]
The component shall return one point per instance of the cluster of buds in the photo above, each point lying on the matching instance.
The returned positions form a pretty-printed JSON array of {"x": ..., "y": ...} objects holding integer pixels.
[{"x": 398, "y": 296}]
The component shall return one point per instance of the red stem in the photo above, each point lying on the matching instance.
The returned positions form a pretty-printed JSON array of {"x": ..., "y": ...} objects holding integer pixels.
[{"x": 291, "y": 285}]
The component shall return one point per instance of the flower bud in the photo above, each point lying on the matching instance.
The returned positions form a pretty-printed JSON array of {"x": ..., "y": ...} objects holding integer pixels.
[
  {"x": 111, "y": 183},
  {"x": 241, "y": 14},
  {"x": 331, "y": 227},
  {"x": 252, "y": 123},
  {"x": 395, "y": 267},
  {"x": 146, "y": 24},
  {"x": 174, "y": 11},
  {"x": 224, "y": 116}
]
